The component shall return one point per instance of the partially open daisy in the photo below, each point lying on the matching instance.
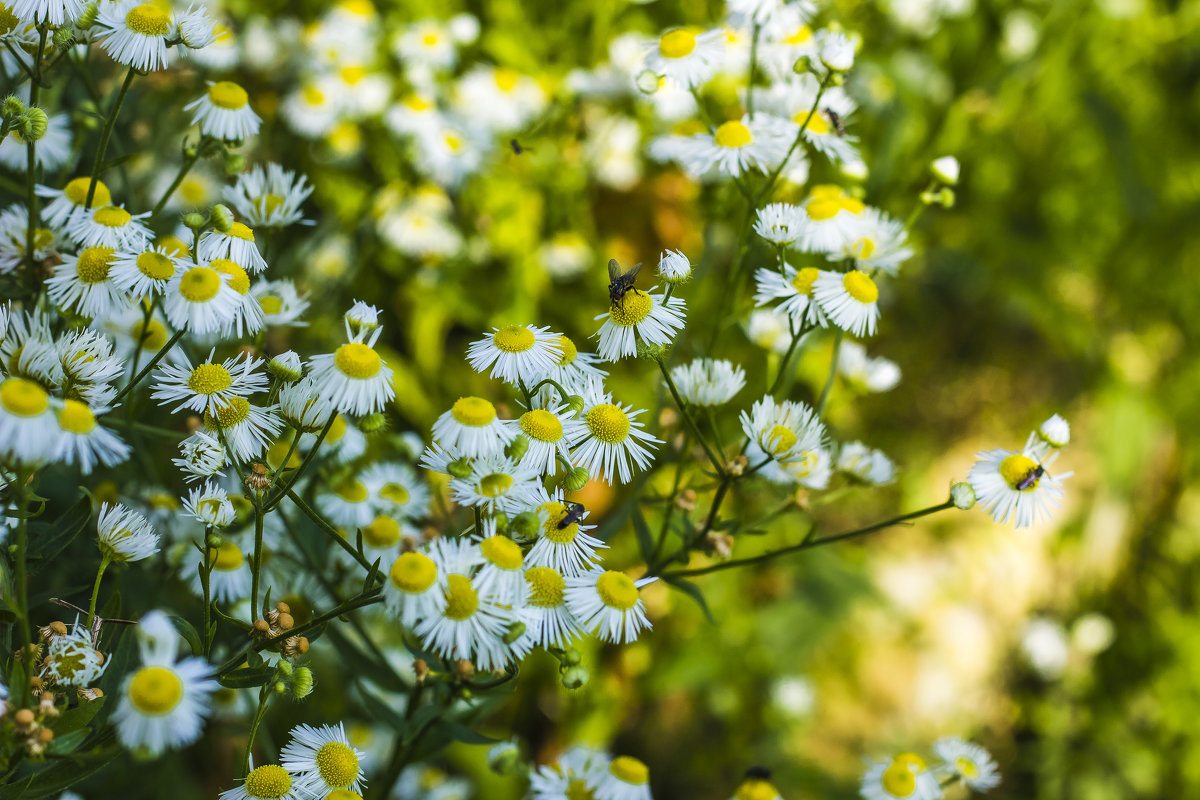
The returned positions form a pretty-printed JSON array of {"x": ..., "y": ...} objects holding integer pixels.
[
  {"x": 303, "y": 408},
  {"x": 470, "y": 626},
  {"x": 833, "y": 220},
  {"x": 687, "y": 56},
  {"x": 905, "y": 777},
  {"x": 1014, "y": 487},
  {"x": 708, "y": 382},
  {"x": 415, "y": 588},
  {"x": 548, "y": 430},
  {"x": 201, "y": 456},
  {"x": 269, "y": 196},
  {"x": 969, "y": 762},
  {"x": 516, "y": 354},
  {"x": 83, "y": 283},
  {"x": 65, "y": 203},
  {"x": 267, "y": 782},
  {"x": 200, "y": 300},
  {"x": 548, "y": 621},
  {"x": 88, "y": 364},
  {"x": 864, "y": 372},
  {"x": 109, "y": 226},
  {"x": 223, "y": 112},
  {"x": 568, "y": 548},
  {"x": 144, "y": 271},
  {"x": 84, "y": 441},
  {"x": 210, "y": 385},
  {"x": 785, "y": 431},
  {"x": 354, "y": 379},
  {"x": 322, "y": 760},
  {"x": 124, "y": 535},
  {"x": 850, "y": 300},
  {"x": 627, "y": 779},
  {"x": 608, "y": 604},
  {"x": 472, "y": 428},
  {"x": 612, "y": 444},
  {"x": 137, "y": 33},
  {"x": 640, "y": 318},
  {"x": 237, "y": 245},
  {"x": 29, "y": 431},
  {"x": 780, "y": 223},
  {"x": 163, "y": 703},
  {"x": 496, "y": 484},
  {"x": 811, "y": 469},
  {"x": 210, "y": 505},
  {"x": 866, "y": 464},
  {"x": 281, "y": 303}
]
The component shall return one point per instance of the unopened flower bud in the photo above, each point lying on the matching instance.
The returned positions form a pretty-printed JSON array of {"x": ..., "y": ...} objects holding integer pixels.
[
  {"x": 571, "y": 657},
  {"x": 464, "y": 669},
  {"x": 515, "y": 631},
  {"x": 214, "y": 539},
  {"x": 302, "y": 682},
  {"x": 285, "y": 622},
  {"x": 420, "y": 670},
  {"x": 88, "y": 18},
  {"x": 33, "y": 124},
  {"x": 285, "y": 668},
  {"x": 945, "y": 169},
  {"x": 13, "y": 107},
  {"x": 222, "y": 218},
  {"x": 280, "y": 687},
  {"x": 802, "y": 65},
  {"x": 460, "y": 468},
  {"x": 63, "y": 37},
  {"x": 234, "y": 163},
  {"x": 194, "y": 220},
  {"x": 45, "y": 736},
  {"x": 962, "y": 495},
  {"x": 517, "y": 448},
  {"x": 575, "y": 403},
  {"x": 373, "y": 423},
  {"x": 576, "y": 479},
  {"x": 525, "y": 525},
  {"x": 286, "y": 367},
  {"x": 647, "y": 82},
  {"x": 575, "y": 677},
  {"x": 505, "y": 758},
  {"x": 262, "y": 627},
  {"x": 837, "y": 52},
  {"x": 946, "y": 197},
  {"x": 23, "y": 718},
  {"x": 1055, "y": 432}
]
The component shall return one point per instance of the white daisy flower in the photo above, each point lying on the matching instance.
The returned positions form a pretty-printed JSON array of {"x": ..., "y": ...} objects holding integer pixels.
[
  {"x": 866, "y": 464},
  {"x": 109, "y": 226},
  {"x": 866, "y": 373},
  {"x": 686, "y": 56},
  {"x": 565, "y": 255},
  {"x": 708, "y": 382},
  {"x": 502, "y": 576},
  {"x": 737, "y": 146},
  {"x": 197, "y": 28},
  {"x": 469, "y": 626},
  {"x": 549, "y": 431},
  {"x": 145, "y": 271},
  {"x": 88, "y": 363},
  {"x": 452, "y": 152},
  {"x": 223, "y": 112},
  {"x": 577, "y": 774},
  {"x": 347, "y": 504},
  {"x": 780, "y": 223},
  {"x": 381, "y": 539},
  {"x": 269, "y": 196},
  {"x": 14, "y": 244},
  {"x": 71, "y": 659},
  {"x": 84, "y": 441},
  {"x": 322, "y": 760},
  {"x": 54, "y": 12},
  {"x": 850, "y": 300},
  {"x": 162, "y": 704},
  {"x": 396, "y": 489},
  {"x": 312, "y": 109},
  {"x": 124, "y": 535},
  {"x": 788, "y": 38},
  {"x": 517, "y": 354},
  {"x": 970, "y": 762},
  {"x": 52, "y": 152},
  {"x": 210, "y": 505},
  {"x": 784, "y": 431},
  {"x": 249, "y": 313},
  {"x": 267, "y": 782},
  {"x": 1013, "y": 487},
  {"x": 237, "y": 245},
  {"x": 137, "y": 34},
  {"x": 303, "y": 408},
  {"x": 231, "y": 578},
  {"x": 837, "y": 51},
  {"x": 415, "y": 115},
  {"x": 574, "y": 370},
  {"x": 211, "y": 385},
  {"x": 415, "y": 589},
  {"x": 905, "y": 777},
  {"x": 548, "y": 622},
  {"x": 881, "y": 244},
  {"x": 765, "y": 13},
  {"x": 281, "y": 303},
  {"x": 568, "y": 548},
  {"x": 498, "y": 98},
  {"x": 426, "y": 42},
  {"x": 674, "y": 267},
  {"x": 612, "y": 440},
  {"x": 495, "y": 484},
  {"x": 833, "y": 220},
  {"x": 83, "y": 283},
  {"x": 627, "y": 778},
  {"x": 201, "y": 456},
  {"x": 28, "y": 349},
  {"x": 201, "y": 300},
  {"x": 29, "y": 431},
  {"x": 812, "y": 469},
  {"x": 472, "y": 428},
  {"x": 640, "y": 317},
  {"x": 607, "y": 604},
  {"x": 354, "y": 379}
]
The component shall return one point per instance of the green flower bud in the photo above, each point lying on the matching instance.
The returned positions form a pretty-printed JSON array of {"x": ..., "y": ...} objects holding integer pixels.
[
  {"x": 571, "y": 657},
  {"x": 802, "y": 65},
  {"x": 946, "y": 197},
  {"x": 373, "y": 423},
  {"x": 502, "y": 524},
  {"x": 576, "y": 479},
  {"x": 460, "y": 468},
  {"x": 63, "y": 37},
  {"x": 280, "y": 687},
  {"x": 655, "y": 351},
  {"x": 647, "y": 82},
  {"x": 194, "y": 220},
  {"x": 575, "y": 677},
  {"x": 962, "y": 495},
  {"x": 88, "y": 18},
  {"x": 525, "y": 525},
  {"x": 285, "y": 668},
  {"x": 214, "y": 539},
  {"x": 515, "y": 631},
  {"x": 222, "y": 218},
  {"x": 33, "y": 124},
  {"x": 302, "y": 682},
  {"x": 13, "y": 107},
  {"x": 234, "y": 163},
  {"x": 286, "y": 367},
  {"x": 191, "y": 151},
  {"x": 505, "y": 759},
  {"x": 575, "y": 403},
  {"x": 517, "y": 448}
]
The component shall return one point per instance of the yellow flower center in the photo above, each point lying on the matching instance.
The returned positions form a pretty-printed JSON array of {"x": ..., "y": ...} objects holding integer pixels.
[
  {"x": 911, "y": 760},
  {"x": 8, "y": 20},
  {"x": 353, "y": 74},
  {"x": 241, "y": 231},
  {"x": 382, "y": 532},
  {"x": 233, "y": 411},
  {"x": 629, "y": 769},
  {"x": 733, "y": 134},
  {"x": 394, "y": 492},
  {"x": 966, "y": 767},
  {"x": 154, "y": 333},
  {"x": 502, "y": 551},
  {"x": 513, "y": 339},
  {"x": 608, "y": 423},
  {"x": 76, "y": 417},
  {"x": 495, "y": 484},
  {"x": 229, "y": 557},
  {"x": 268, "y": 782},
  {"x": 802, "y": 35},
  {"x": 240, "y": 280},
  {"x": 804, "y": 280},
  {"x": 818, "y": 124},
  {"x": 338, "y": 764},
  {"x": 42, "y": 238},
  {"x": 112, "y": 217},
  {"x": 338, "y": 430},
  {"x": 270, "y": 304},
  {"x": 352, "y": 492},
  {"x": 209, "y": 379},
  {"x": 677, "y": 44},
  {"x": 1016, "y": 468},
  {"x": 823, "y": 208},
  {"x": 23, "y": 398},
  {"x": 860, "y": 286},
  {"x": 461, "y": 599},
  {"x": 616, "y": 590},
  {"x": 579, "y": 790},
  {"x": 863, "y": 248},
  {"x": 93, "y": 264},
  {"x": 200, "y": 284},
  {"x": 546, "y": 587},
  {"x": 173, "y": 245},
  {"x": 473, "y": 411},
  {"x": 569, "y": 351},
  {"x": 357, "y": 360},
  {"x": 148, "y": 20},
  {"x": 555, "y": 513},
  {"x": 756, "y": 789},
  {"x": 541, "y": 425},
  {"x": 76, "y": 191},
  {"x": 898, "y": 780},
  {"x": 417, "y": 103},
  {"x": 778, "y": 440},
  {"x": 413, "y": 573},
  {"x": 632, "y": 309},
  {"x": 314, "y": 97},
  {"x": 343, "y": 794},
  {"x": 155, "y": 690},
  {"x": 429, "y": 39},
  {"x": 155, "y": 265},
  {"x": 506, "y": 79}
]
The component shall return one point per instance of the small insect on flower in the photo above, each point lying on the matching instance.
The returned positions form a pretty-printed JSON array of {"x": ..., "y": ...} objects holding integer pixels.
[
  {"x": 574, "y": 514},
  {"x": 620, "y": 281}
]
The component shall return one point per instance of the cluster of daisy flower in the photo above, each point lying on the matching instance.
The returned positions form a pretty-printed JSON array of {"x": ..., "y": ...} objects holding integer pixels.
[
  {"x": 908, "y": 776},
  {"x": 584, "y": 772},
  {"x": 317, "y": 763}
]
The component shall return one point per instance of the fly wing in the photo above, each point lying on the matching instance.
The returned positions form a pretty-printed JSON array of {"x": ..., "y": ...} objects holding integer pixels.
[
  {"x": 614, "y": 270},
  {"x": 633, "y": 271}
]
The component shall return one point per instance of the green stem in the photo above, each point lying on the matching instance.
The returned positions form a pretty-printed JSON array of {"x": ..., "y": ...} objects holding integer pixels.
[
  {"x": 808, "y": 543},
  {"x": 919, "y": 209},
  {"x": 184, "y": 169},
  {"x": 31, "y": 198},
  {"x": 20, "y": 579},
  {"x": 308, "y": 458},
  {"x": 329, "y": 530},
  {"x": 695, "y": 429},
  {"x": 264, "y": 699},
  {"x": 146, "y": 370},
  {"x": 833, "y": 365},
  {"x": 787, "y": 358},
  {"x": 106, "y": 134},
  {"x": 774, "y": 176},
  {"x": 257, "y": 564},
  {"x": 286, "y": 459},
  {"x": 104, "y": 562}
]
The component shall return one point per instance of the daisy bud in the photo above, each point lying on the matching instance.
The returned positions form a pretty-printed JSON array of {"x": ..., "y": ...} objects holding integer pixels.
[
  {"x": 63, "y": 38},
  {"x": 372, "y": 423},
  {"x": 575, "y": 678},
  {"x": 575, "y": 403},
  {"x": 23, "y": 718},
  {"x": 234, "y": 163},
  {"x": 88, "y": 18},
  {"x": 962, "y": 495},
  {"x": 674, "y": 267},
  {"x": 646, "y": 82},
  {"x": 13, "y": 106},
  {"x": 946, "y": 197},
  {"x": 262, "y": 627},
  {"x": 33, "y": 124},
  {"x": 945, "y": 169},
  {"x": 286, "y": 367},
  {"x": 460, "y": 468},
  {"x": 222, "y": 218},
  {"x": 285, "y": 668},
  {"x": 576, "y": 479},
  {"x": 505, "y": 759},
  {"x": 362, "y": 317},
  {"x": 525, "y": 525},
  {"x": 215, "y": 539},
  {"x": 837, "y": 52},
  {"x": 1055, "y": 431},
  {"x": 280, "y": 687},
  {"x": 302, "y": 683},
  {"x": 193, "y": 220},
  {"x": 420, "y": 670},
  {"x": 571, "y": 657},
  {"x": 802, "y": 65},
  {"x": 517, "y": 448},
  {"x": 191, "y": 151},
  {"x": 45, "y": 736},
  {"x": 515, "y": 631}
]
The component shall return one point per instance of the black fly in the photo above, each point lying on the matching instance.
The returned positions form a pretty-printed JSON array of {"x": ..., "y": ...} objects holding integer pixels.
[
  {"x": 574, "y": 512},
  {"x": 620, "y": 281},
  {"x": 835, "y": 119},
  {"x": 516, "y": 147},
  {"x": 1030, "y": 480}
]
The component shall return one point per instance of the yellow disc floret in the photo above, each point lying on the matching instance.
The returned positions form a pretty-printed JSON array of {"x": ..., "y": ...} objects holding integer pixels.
[
  {"x": 76, "y": 191},
  {"x": 268, "y": 782},
  {"x": 382, "y": 532},
  {"x": 677, "y": 43},
  {"x": 228, "y": 95},
  {"x": 898, "y": 780},
  {"x": 616, "y": 590},
  {"x": 23, "y": 398},
  {"x": 209, "y": 379},
  {"x": 546, "y": 587},
  {"x": 155, "y": 690},
  {"x": 357, "y": 360},
  {"x": 229, "y": 557},
  {"x": 608, "y": 423},
  {"x": 631, "y": 309},
  {"x": 76, "y": 417},
  {"x": 756, "y": 789},
  {"x": 541, "y": 425},
  {"x": 733, "y": 134},
  {"x": 778, "y": 440},
  {"x": 111, "y": 217},
  {"x": 93, "y": 264},
  {"x": 495, "y": 484},
  {"x": 413, "y": 573},
  {"x": 513, "y": 339},
  {"x": 352, "y": 491},
  {"x": 232, "y": 411},
  {"x": 860, "y": 286},
  {"x": 1017, "y": 468},
  {"x": 461, "y": 598},
  {"x": 555, "y": 513},
  {"x": 804, "y": 280},
  {"x": 568, "y": 348},
  {"x": 155, "y": 265},
  {"x": 239, "y": 280},
  {"x": 630, "y": 770},
  {"x": 502, "y": 551},
  {"x": 338, "y": 764},
  {"x": 148, "y": 20},
  {"x": 473, "y": 411},
  {"x": 200, "y": 284}
]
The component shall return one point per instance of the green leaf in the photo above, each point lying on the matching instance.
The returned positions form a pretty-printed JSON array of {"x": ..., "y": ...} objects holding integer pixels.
[
  {"x": 68, "y": 742},
  {"x": 644, "y": 540},
  {"x": 466, "y": 735},
  {"x": 74, "y": 719},
  {"x": 188, "y": 632},
  {"x": 247, "y": 678},
  {"x": 48, "y": 539},
  {"x": 693, "y": 591}
]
